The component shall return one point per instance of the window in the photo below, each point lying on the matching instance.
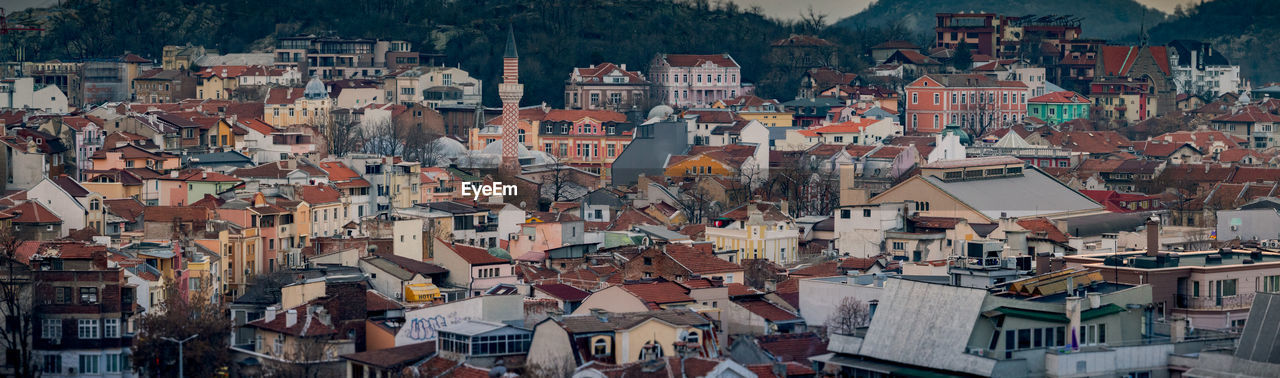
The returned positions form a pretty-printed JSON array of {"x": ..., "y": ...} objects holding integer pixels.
[
  {"x": 88, "y": 295},
  {"x": 845, "y": 214},
  {"x": 111, "y": 327},
  {"x": 937, "y": 98},
  {"x": 117, "y": 363},
  {"x": 62, "y": 295},
  {"x": 88, "y": 328},
  {"x": 899, "y": 245},
  {"x": 914, "y": 97},
  {"x": 50, "y": 328},
  {"x": 866, "y": 213},
  {"x": 278, "y": 345},
  {"x": 1228, "y": 287},
  {"x": 600, "y": 347},
  {"x": 1270, "y": 284},
  {"x": 52, "y": 364}
]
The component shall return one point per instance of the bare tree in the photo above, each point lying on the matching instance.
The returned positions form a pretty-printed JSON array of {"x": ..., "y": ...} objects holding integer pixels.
[
  {"x": 849, "y": 316},
  {"x": 342, "y": 133},
  {"x": 17, "y": 305},
  {"x": 178, "y": 317},
  {"x": 384, "y": 138},
  {"x": 559, "y": 182},
  {"x": 307, "y": 357},
  {"x": 420, "y": 146},
  {"x": 697, "y": 202}
]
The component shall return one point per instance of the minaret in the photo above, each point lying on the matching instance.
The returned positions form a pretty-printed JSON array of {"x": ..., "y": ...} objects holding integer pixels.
[{"x": 510, "y": 91}]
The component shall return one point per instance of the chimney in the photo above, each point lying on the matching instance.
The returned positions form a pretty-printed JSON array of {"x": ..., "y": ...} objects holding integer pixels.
[
  {"x": 770, "y": 285},
  {"x": 1042, "y": 263},
  {"x": 785, "y": 207},
  {"x": 290, "y": 318},
  {"x": 173, "y": 174},
  {"x": 624, "y": 66},
  {"x": 602, "y": 315},
  {"x": 1153, "y": 236},
  {"x": 271, "y": 312}
]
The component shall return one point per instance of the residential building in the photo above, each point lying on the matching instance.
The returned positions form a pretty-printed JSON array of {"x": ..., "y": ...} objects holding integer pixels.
[
  {"x": 162, "y": 86},
  {"x": 606, "y": 86},
  {"x": 330, "y": 58},
  {"x": 1133, "y": 83},
  {"x": 23, "y": 93},
  {"x": 619, "y": 338},
  {"x": 472, "y": 268},
  {"x": 757, "y": 230},
  {"x": 678, "y": 262},
  {"x": 973, "y": 102},
  {"x": 85, "y": 326},
  {"x": 768, "y": 112},
  {"x": 1058, "y": 107},
  {"x": 1199, "y": 69},
  {"x": 586, "y": 139},
  {"x": 434, "y": 86},
  {"x": 685, "y": 81},
  {"x": 292, "y": 106}
]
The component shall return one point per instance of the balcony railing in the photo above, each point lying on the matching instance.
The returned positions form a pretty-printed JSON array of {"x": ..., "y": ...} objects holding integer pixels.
[{"x": 1235, "y": 302}]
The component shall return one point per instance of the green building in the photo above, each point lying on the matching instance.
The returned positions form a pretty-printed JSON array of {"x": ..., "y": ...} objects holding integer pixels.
[{"x": 1058, "y": 107}]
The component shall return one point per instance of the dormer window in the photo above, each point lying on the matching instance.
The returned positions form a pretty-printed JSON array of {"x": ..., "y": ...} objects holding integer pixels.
[{"x": 600, "y": 347}]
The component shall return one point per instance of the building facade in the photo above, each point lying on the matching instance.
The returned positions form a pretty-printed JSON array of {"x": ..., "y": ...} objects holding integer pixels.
[
  {"x": 685, "y": 81},
  {"x": 971, "y": 101}
]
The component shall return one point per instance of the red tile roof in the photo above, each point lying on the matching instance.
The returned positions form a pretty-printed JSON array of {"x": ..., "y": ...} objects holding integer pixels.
[
  {"x": 1060, "y": 97},
  {"x": 846, "y": 127},
  {"x": 738, "y": 289},
  {"x": 563, "y": 292},
  {"x": 564, "y": 115},
  {"x": 280, "y": 96},
  {"x": 766, "y": 310},
  {"x": 32, "y": 212},
  {"x": 856, "y": 263},
  {"x": 796, "y": 347},
  {"x": 1117, "y": 60},
  {"x": 596, "y": 73},
  {"x": 305, "y": 326},
  {"x": 1044, "y": 229},
  {"x": 769, "y": 212},
  {"x": 256, "y": 125},
  {"x": 689, "y": 60},
  {"x": 474, "y": 255},
  {"x": 659, "y": 292},
  {"x": 699, "y": 262},
  {"x": 375, "y": 301},
  {"x": 822, "y": 269},
  {"x": 319, "y": 194}
]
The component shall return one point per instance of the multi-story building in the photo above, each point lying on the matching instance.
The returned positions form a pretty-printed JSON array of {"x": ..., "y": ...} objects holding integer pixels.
[
  {"x": 434, "y": 86},
  {"x": 1133, "y": 83},
  {"x": 338, "y": 58},
  {"x": 981, "y": 32},
  {"x": 751, "y": 108},
  {"x": 1198, "y": 69},
  {"x": 974, "y": 102},
  {"x": 696, "y": 80},
  {"x": 606, "y": 86},
  {"x": 1058, "y": 107},
  {"x": 298, "y": 106},
  {"x": 65, "y": 75},
  {"x": 159, "y": 86},
  {"x": 586, "y": 139},
  {"x": 84, "y": 312},
  {"x": 110, "y": 80},
  {"x": 757, "y": 230}
]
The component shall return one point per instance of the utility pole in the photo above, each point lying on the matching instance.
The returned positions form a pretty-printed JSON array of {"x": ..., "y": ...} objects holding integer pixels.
[{"x": 180, "y": 342}]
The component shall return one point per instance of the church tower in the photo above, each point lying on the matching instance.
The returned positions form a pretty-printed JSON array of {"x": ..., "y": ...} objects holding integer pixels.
[{"x": 510, "y": 91}]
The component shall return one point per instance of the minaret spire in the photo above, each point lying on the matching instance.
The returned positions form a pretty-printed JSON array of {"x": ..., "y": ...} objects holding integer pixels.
[{"x": 510, "y": 91}]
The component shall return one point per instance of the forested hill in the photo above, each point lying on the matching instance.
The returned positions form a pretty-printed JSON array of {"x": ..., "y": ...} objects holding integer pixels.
[
  {"x": 1108, "y": 19},
  {"x": 1244, "y": 30},
  {"x": 553, "y": 35}
]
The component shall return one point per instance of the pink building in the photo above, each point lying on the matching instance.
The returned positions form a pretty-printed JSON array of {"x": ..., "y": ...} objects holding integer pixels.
[
  {"x": 605, "y": 86},
  {"x": 686, "y": 81},
  {"x": 974, "y": 102}
]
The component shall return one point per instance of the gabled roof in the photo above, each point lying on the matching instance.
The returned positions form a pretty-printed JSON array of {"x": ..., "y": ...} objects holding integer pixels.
[
  {"x": 305, "y": 326},
  {"x": 1118, "y": 60},
  {"x": 793, "y": 347},
  {"x": 597, "y": 72},
  {"x": 699, "y": 262},
  {"x": 563, "y": 292},
  {"x": 659, "y": 293},
  {"x": 691, "y": 60},
  {"x": 32, "y": 212},
  {"x": 766, "y": 310},
  {"x": 565, "y": 115},
  {"x": 1158, "y": 148},
  {"x": 1060, "y": 97},
  {"x": 846, "y": 127},
  {"x": 414, "y": 266},
  {"x": 280, "y": 96},
  {"x": 588, "y": 323},
  {"x": 70, "y": 185},
  {"x": 1042, "y": 228},
  {"x": 319, "y": 194},
  {"x": 474, "y": 255},
  {"x": 394, "y": 358},
  {"x": 769, "y": 212}
]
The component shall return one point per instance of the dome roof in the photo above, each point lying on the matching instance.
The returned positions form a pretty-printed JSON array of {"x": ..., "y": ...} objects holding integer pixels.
[
  {"x": 315, "y": 90},
  {"x": 523, "y": 153},
  {"x": 660, "y": 112},
  {"x": 954, "y": 129},
  {"x": 448, "y": 147}
]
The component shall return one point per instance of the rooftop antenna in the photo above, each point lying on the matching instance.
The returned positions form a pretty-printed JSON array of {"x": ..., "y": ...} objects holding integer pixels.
[{"x": 1142, "y": 29}]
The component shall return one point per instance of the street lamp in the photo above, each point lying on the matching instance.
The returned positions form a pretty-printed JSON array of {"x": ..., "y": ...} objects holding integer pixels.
[{"x": 180, "y": 342}]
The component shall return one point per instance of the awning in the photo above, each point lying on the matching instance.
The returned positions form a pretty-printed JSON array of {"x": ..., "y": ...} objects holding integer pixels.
[
  {"x": 421, "y": 292},
  {"x": 1043, "y": 316},
  {"x": 1110, "y": 308}
]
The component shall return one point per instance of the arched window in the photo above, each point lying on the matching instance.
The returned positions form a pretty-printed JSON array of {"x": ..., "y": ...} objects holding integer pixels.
[{"x": 600, "y": 347}]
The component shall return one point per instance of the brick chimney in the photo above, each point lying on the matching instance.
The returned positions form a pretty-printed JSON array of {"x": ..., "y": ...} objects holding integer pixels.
[{"x": 1153, "y": 236}]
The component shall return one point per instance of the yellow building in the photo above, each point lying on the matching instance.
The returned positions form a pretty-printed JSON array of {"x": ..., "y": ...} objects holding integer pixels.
[
  {"x": 298, "y": 106},
  {"x": 218, "y": 82},
  {"x": 767, "y": 112},
  {"x": 619, "y": 338},
  {"x": 757, "y": 230}
]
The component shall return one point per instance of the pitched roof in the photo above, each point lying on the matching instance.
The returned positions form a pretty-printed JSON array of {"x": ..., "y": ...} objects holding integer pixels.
[
  {"x": 796, "y": 347},
  {"x": 414, "y": 266},
  {"x": 1059, "y": 97},
  {"x": 1042, "y": 228},
  {"x": 588, "y": 323},
  {"x": 597, "y": 72},
  {"x": 393, "y": 358},
  {"x": 563, "y": 292},
  {"x": 699, "y": 262},
  {"x": 70, "y": 185},
  {"x": 319, "y": 194},
  {"x": 32, "y": 212},
  {"x": 1118, "y": 60},
  {"x": 280, "y": 96},
  {"x": 474, "y": 255},
  {"x": 659, "y": 293},
  {"x": 769, "y": 211},
  {"x": 691, "y": 60},
  {"x": 766, "y": 310},
  {"x": 846, "y": 127},
  {"x": 565, "y": 115},
  {"x": 306, "y": 325}
]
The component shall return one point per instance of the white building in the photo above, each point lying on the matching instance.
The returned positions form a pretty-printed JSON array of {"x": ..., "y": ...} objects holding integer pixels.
[
  {"x": 22, "y": 93},
  {"x": 860, "y": 229},
  {"x": 434, "y": 86},
  {"x": 1198, "y": 69}
]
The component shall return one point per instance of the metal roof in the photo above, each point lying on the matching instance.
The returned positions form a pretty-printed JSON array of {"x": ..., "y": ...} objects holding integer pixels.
[{"x": 1033, "y": 193}]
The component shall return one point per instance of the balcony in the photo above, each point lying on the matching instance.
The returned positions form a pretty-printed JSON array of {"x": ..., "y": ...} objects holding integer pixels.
[
  {"x": 491, "y": 227},
  {"x": 1235, "y": 302}
]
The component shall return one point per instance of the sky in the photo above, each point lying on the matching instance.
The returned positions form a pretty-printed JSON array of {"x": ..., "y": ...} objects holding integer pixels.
[{"x": 839, "y": 9}]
